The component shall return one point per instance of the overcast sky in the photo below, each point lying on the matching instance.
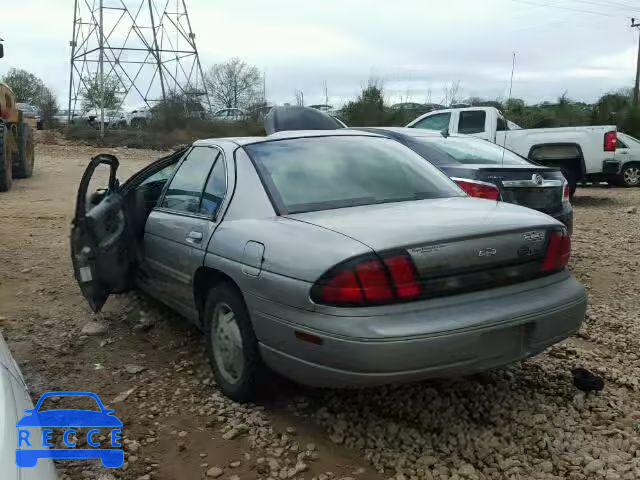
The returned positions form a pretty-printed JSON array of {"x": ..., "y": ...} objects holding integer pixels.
[{"x": 414, "y": 47}]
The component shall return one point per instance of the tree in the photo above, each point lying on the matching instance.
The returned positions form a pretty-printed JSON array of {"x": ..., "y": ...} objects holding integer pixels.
[
  {"x": 368, "y": 109},
  {"x": 299, "y": 94},
  {"x": 27, "y": 87},
  {"x": 97, "y": 94},
  {"x": 48, "y": 106},
  {"x": 234, "y": 84}
]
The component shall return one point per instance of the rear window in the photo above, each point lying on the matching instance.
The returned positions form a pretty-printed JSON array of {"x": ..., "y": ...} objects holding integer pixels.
[
  {"x": 310, "y": 174},
  {"x": 472, "y": 121},
  {"x": 473, "y": 151}
]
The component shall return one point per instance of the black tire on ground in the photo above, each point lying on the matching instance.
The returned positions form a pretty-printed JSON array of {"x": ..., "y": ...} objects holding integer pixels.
[
  {"x": 26, "y": 152},
  {"x": 629, "y": 176},
  {"x": 6, "y": 170},
  {"x": 253, "y": 373}
]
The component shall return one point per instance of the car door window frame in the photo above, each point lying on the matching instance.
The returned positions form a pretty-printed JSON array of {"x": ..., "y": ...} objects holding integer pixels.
[{"x": 217, "y": 157}]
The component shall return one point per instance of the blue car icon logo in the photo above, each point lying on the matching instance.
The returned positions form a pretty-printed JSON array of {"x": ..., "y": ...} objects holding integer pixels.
[{"x": 30, "y": 450}]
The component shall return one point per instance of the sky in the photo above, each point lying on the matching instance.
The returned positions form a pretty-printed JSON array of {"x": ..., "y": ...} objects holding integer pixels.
[{"x": 415, "y": 48}]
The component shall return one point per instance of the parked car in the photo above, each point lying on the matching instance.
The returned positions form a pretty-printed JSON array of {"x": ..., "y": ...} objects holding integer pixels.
[
  {"x": 62, "y": 117},
  {"x": 139, "y": 118},
  {"x": 337, "y": 258},
  {"x": 32, "y": 113},
  {"x": 229, "y": 115},
  {"x": 582, "y": 153},
  {"x": 628, "y": 151},
  {"x": 485, "y": 170},
  {"x": 14, "y": 400}
]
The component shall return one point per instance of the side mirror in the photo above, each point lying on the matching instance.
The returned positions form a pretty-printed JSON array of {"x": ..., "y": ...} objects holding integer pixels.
[{"x": 1, "y": 50}]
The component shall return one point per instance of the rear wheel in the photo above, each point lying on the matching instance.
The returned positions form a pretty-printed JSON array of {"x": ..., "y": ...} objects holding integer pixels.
[
  {"x": 6, "y": 170},
  {"x": 26, "y": 152},
  {"x": 630, "y": 175},
  {"x": 231, "y": 344}
]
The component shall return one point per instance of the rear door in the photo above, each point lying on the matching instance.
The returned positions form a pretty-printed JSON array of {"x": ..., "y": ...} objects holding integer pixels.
[
  {"x": 102, "y": 249},
  {"x": 179, "y": 228}
]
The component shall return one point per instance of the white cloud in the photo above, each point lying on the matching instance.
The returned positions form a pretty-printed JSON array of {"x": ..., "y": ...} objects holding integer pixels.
[{"x": 414, "y": 46}]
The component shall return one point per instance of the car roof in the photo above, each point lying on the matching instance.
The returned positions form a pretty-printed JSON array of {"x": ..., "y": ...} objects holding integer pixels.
[{"x": 283, "y": 135}]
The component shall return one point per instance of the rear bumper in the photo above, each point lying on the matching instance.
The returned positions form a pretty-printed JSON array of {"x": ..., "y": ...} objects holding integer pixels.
[{"x": 485, "y": 331}]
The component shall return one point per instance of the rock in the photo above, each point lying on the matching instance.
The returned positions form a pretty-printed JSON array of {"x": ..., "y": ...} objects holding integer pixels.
[
  {"x": 132, "y": 459},
  {"x": 182, "y": 434},
  {"x": 234, "y": 477},
  {"x": 594, "y": 466},
  {"x": 546, "y": 467},
  {"x": 92, "y": 328},
  {"x": 122, "y": 396},
  {"x": 134, "y": 369},
  {"x": 235, "y": 464},
  {"x": 632, "y": 210},
  {"x": 215, "y": 472},
  {"x": 133, "y": 446},
  {"x": 181, "y": 446},
  {"x": 291, "y": 430}
]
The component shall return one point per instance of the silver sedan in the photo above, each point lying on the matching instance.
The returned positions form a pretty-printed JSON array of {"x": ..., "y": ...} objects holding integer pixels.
[{"x": 335, "y": 258}]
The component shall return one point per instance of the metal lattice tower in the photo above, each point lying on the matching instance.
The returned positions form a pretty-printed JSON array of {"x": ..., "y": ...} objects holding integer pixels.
[{"x": 147, "y": 46}]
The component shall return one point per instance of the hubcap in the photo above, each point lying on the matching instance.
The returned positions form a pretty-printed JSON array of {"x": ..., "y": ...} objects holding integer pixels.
[
  {"x": 227, "y": 345},
  {"x": 632, "y": 176}
]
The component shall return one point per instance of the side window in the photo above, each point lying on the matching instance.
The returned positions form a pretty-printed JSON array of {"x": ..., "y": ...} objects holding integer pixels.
[
  {"x": 621, "y": 144},
  {"x": 161, "y": 176},
  {"x": 439, "y": 121},
  {"x": 502, "y": 125},
  {"x": 472, "y": 121},
  {"x": 185, "y": 190},
  {"x": 215, "y": 189}
]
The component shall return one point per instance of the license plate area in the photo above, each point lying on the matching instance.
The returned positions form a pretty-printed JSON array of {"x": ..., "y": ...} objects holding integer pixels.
[{"x": 504, "y": 342}]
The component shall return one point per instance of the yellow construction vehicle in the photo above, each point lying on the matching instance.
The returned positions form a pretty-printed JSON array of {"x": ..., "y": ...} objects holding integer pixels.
[{"x": 16, "y": 139}]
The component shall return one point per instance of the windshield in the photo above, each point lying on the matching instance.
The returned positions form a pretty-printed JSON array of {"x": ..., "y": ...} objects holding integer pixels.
[
  {"x": 470, "y": 151},
  {"x": 321, "y": 173}
]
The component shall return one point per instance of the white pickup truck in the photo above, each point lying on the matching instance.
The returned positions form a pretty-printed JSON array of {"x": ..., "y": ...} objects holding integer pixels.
[{"x": 582, "y": 153}]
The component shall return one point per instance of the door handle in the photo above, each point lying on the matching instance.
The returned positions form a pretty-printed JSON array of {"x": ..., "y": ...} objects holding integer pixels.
[{"x": 194, "y": 237}]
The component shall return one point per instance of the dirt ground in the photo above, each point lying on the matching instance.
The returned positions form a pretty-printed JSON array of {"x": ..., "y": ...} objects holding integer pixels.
[{"x": 525, "y": 421}]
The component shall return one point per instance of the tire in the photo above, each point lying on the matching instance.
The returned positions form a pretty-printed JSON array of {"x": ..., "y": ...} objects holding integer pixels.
[
  {"x": 26, "y": 152},
  {"x": 629, "y": 176},
  {"x": 238, "y": 373},
  {"x": 6, "y": 167}
]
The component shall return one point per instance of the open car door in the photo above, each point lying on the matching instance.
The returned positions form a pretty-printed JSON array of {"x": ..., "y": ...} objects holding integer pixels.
[{"x": 101, "y": 244}]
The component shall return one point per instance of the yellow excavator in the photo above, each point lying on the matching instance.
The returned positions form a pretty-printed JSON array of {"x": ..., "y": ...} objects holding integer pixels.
[{"x": 17, "y": 151}]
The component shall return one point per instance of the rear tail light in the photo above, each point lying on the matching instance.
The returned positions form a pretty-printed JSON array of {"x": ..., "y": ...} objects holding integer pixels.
[
  {"x": 610, "y": 141},
  {"x": 566, "y": 192},
  {"x": 367, "y": 281},
  {"x": 478, "y": 189},
  {"x": 558, "y": 251}
]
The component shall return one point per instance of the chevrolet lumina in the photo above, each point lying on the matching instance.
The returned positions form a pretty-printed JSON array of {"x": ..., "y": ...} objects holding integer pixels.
[{"x": 336, "y": 258}]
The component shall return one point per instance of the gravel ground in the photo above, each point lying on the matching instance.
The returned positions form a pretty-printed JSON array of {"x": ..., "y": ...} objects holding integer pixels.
[{"x": 525, "y": 421}]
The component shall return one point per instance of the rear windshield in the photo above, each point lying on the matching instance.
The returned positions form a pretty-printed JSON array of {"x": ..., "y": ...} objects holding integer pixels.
[
  {"x": 469, "y": 151},
  {"x": 321, "y": 173}
]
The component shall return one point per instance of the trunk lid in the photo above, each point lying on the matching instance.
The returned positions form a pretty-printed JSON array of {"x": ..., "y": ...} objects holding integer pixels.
[
  {"x": 534, "y": 187},
  {"x": 456, "y": 244},
  {"x": 449, "y": 234}
]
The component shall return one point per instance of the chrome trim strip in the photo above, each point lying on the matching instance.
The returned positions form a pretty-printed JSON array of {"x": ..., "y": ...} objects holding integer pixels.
[{"x": 531, "y": 184}]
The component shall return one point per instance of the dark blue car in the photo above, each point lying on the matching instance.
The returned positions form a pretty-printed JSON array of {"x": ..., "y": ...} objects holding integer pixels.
[
  {"x": 486, "y": 170},
  {"x": 70, "y": 418}
]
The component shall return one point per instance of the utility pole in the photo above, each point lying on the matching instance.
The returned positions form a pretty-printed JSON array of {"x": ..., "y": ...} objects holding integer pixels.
[
  {"x": 636, "y": 89},
  {"x": 101, "y": 69}
]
